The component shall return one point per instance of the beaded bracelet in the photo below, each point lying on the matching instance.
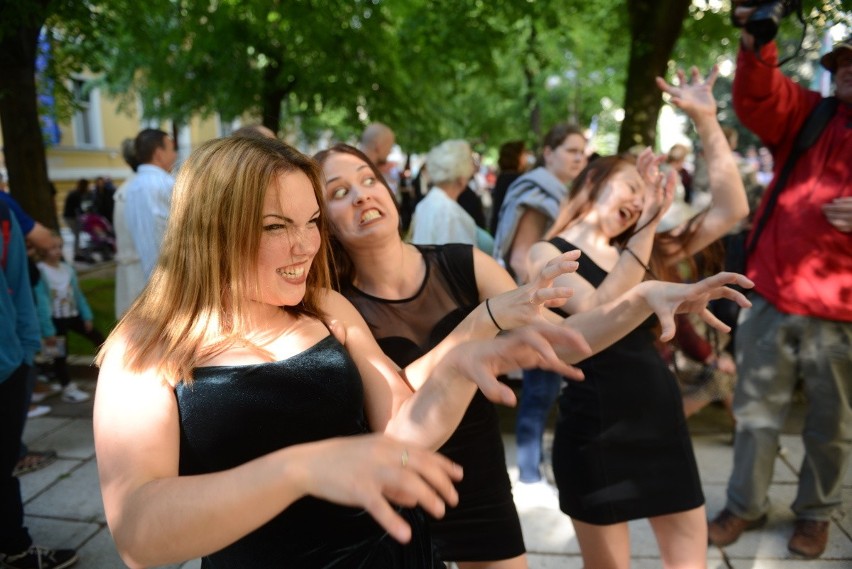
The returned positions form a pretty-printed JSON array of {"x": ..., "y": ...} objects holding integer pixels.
[{"x": 488, "y": 308}]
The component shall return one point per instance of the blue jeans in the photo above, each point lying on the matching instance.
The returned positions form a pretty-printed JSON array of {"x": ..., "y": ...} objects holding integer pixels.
[
  {"x": 774, "y": 350},
  {"x": 538, "y": 394}
]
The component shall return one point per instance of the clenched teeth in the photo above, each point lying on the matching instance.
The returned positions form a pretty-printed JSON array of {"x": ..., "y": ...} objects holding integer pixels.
[
  {"x": 370, "y": 215},
  {"x": 291, "y": 273}
]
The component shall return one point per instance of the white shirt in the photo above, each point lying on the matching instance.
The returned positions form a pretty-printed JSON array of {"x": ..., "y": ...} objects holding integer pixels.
[
  {"x": 438, "y": 220},
  {"x": 129, "y": 279},
  {"x": 58, "y": 280},
  {"x": 146, "y": 211}
]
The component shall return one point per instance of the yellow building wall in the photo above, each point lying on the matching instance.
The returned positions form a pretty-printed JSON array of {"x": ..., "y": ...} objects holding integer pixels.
[{"x": 68, "y": 162}]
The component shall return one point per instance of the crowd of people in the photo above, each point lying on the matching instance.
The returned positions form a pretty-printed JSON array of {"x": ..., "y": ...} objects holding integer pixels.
[{"x": 309, "y": 350}]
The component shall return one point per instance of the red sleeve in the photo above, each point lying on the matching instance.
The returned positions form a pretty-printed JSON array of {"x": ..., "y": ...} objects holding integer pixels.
[
  {"x": 691, "y": 343},
  {"x": 767, "y": 102}
]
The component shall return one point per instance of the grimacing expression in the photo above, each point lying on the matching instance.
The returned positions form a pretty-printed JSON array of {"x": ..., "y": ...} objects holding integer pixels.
[
  {"x": 290, "y": 239},
  {"x": 620, "y": 203},
  {"x": 358, "y": 203}
]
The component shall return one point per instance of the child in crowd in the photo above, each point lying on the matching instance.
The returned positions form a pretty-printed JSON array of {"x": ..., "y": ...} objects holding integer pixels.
[{"x": 69, "y": 311}]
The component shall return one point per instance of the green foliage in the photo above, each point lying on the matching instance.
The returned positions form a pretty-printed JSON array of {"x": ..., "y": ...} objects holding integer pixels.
[{"x": 432, "y": 69}]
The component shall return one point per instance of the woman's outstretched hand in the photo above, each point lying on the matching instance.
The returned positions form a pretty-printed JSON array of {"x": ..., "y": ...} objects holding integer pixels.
[
  {"x": 660, "y": 188},
  {"x": 667, "y": 299},
  {"x": 374, "y": 471},
  {"x": 694, "y": 97},
  {"x": 526, "y": 304},
  {"x": 533, "y": 346}
]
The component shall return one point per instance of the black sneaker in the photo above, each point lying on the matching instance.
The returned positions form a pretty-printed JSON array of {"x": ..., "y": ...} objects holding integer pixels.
[{"x": 41, "y": 558}]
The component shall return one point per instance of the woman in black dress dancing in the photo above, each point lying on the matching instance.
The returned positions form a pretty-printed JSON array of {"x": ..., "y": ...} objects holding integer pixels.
[
  {"x": 413, "y": 297},
  {"x": 622, "y": 450},
  {"x": 231, "y": 393}
]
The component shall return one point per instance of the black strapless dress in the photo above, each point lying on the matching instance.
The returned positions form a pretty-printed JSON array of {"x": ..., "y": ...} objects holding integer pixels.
[
  {"x": 233, "y": 414},
  {"x": 622, "y": 449}
]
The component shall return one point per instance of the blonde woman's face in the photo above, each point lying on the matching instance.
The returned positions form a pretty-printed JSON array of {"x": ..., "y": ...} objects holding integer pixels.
[
  {"x": 290, "y": 239},
  {"x": 359, "y": 205}
]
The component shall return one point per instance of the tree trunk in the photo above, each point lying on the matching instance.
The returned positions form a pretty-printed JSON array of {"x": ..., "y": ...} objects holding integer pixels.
[
  {"x": 655, "y": 26},
  {"x": 273, "y": 96},
  {"x": 530, "y": 99},
  {"x": 23, "y": 144}
]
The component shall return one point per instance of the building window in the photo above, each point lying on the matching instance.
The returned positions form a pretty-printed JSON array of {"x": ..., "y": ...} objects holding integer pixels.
[{"x": 86, "y": 123}]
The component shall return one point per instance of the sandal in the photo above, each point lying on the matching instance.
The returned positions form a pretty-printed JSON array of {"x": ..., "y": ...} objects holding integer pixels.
[{"x": 34, "y": 460}]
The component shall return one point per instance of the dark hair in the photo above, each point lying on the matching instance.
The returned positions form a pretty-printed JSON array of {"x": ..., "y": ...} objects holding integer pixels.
[
  {"x": 556, "y": 136},
  {"x": 341, "y": 264},
  {"x": 559, "y": 132},
  {"x": 128, "y": 152},
  {"x": 584, "y": 192},
  {"x": 252, "y": 131},
  {"x": 510, "y": 155},
  {"x": 147, "y": 142},
  {"x": 82, "y": 185}
]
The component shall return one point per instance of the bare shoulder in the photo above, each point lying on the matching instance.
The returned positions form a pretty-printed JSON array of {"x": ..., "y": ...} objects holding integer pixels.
[
  {"x": 543, "y": 251},
  {"x": 333, "y": 304},
  {"x": 341, "y": 317}
]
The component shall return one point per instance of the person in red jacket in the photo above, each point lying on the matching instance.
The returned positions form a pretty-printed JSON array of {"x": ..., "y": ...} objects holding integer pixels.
[{"x": 800, "y": 324}]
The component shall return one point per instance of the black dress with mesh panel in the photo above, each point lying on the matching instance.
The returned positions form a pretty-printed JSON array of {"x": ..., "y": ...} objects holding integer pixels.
[
  {"x": 230, "y": 415},
  {"x": 622, "y": 449},
  {"x": 485, "y": 525}
]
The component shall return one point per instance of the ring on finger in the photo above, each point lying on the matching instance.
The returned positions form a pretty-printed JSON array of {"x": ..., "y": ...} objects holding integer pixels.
[{"x": 404, "y": 457}]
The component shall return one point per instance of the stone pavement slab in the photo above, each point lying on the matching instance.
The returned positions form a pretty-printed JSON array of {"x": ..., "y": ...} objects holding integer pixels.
[{"x": 63, "y": 504}]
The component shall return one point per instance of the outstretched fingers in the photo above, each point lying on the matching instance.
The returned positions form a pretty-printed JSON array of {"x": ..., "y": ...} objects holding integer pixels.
[
  {"x": 374, "y": 472},
  {"x": 547, "y": 340},
  {"x": 713, "y": 321},
  {"x": 564, "y": 263}
]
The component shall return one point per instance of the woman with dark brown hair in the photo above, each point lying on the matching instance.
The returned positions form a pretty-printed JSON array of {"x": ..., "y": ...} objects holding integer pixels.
[{"x": 622, "y": 450}]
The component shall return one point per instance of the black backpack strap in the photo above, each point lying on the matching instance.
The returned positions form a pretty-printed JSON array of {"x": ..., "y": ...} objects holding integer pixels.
[
  {"x": 812, "y": 128},
  {"x": 6, "y": 228}
]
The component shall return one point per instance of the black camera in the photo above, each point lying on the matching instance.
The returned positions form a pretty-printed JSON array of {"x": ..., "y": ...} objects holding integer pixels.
[{"x": 763, "y": 22}]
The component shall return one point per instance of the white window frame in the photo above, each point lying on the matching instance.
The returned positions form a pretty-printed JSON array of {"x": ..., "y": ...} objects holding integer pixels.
[{"x": 88, "y": 119}]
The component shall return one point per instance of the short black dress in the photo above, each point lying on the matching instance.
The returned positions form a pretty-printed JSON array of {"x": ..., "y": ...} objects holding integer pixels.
[
  {"x": 485, "y": 525},
  {"x": 233, "y": 414},
  {"x": 622, "y": 449}
]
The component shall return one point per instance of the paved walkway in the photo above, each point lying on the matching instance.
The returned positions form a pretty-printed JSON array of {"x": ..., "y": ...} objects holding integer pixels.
[{"x": 63, "y": 504}]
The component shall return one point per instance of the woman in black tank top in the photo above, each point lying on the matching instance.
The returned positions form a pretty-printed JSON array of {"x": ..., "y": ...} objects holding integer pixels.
[
  {"x": 621, "y": 449},
  {"x": 413, "y": 298}
]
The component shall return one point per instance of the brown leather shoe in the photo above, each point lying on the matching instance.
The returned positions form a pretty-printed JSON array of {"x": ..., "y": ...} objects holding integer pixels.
[
  {"x": 728, "y": 527},
  {"x": 809, "y": 538}
]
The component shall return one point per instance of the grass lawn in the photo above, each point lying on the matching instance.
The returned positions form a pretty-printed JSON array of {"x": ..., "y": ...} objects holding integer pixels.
[{"x": 100, "y": 292}]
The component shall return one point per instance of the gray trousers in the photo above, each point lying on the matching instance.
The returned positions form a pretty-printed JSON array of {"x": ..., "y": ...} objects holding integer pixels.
[{"x": 773, "y": 350}]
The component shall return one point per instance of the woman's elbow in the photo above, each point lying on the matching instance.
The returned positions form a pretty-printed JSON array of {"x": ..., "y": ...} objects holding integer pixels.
[
  {"x": 131, "y": 551},
  {"x": 518, "y": 263},
  {"x": 133, "y": 544},
  {"x": 737, "y": 210}
]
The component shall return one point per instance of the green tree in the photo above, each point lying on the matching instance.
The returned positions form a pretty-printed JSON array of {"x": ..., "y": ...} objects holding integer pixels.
[{"x": 20, "y": 24}]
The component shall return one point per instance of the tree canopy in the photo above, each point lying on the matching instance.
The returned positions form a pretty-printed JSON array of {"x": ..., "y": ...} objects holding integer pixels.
[{"x": 432, "y": 69}]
